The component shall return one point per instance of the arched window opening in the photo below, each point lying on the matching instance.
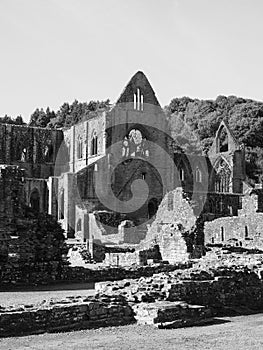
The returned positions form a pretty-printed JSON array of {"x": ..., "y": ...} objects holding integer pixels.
[
  {"x": 24, "y": 155},
  {"x": 222, "y": 234},
  {"x": 94, "y": 145},
  {"x": 135, "y": 145},
  {"x": 138, "y": 100},
  {"x": 46, "y": 198},
  {"x": 79, "y": 148},
  {"x": 62, "y": 205},
  {"x": 221, "y": 205},
  {"x": 35, "y": 201},
  {"x": 181, "y": 174},
  {"x": 223, "y": 140},
  {"x": 198, "y": 175},
  {"x": 79, "y": 225},
  {"x": 223, "y": 175},
  {"x": 212, "y": 240},
  {"x": 141, "y": 102},
  {"x": 246, "y": 232},
  {"x": 48, "y": 153}
]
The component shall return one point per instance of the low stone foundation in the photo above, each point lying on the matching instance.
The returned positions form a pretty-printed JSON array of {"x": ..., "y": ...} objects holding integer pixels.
[
  {"x": 170, "y": 299},
  {"x": 67, "y": 314},
  {"x": 220, "y": 289},
  {"x": 171, "y": 314}
]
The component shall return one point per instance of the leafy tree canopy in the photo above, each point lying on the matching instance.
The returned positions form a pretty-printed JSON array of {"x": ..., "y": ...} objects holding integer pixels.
[
  {"x": 202, "y": 117},
  {"x": 68, "y": 114}
]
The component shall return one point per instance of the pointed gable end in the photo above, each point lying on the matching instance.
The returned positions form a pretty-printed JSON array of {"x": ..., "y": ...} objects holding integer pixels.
[
  {"x": 225, "y": 140},
  {"x": 138, "y": 91}
]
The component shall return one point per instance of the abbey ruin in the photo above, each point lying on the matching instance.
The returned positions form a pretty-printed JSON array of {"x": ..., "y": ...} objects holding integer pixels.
[{"x": 118, "y": 179}]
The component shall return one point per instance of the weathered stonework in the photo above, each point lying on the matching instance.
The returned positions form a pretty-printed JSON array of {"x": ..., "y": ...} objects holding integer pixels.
[
  {"x": 64, "y": 315},
  {"x": 245, "y": 230},
  {"x": 92, "y": 167},
  {"x": 174, "y": 219}
]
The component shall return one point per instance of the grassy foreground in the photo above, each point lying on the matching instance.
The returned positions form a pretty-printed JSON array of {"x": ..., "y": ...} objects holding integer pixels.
[{"x": 235, "y": 333}]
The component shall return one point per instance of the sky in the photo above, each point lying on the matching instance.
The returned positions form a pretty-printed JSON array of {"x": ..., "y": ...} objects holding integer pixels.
[{"x": 56, "y": 51}]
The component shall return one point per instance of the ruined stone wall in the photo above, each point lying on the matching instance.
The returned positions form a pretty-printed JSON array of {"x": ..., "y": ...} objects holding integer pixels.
[
  {"x": 67, "y": 198},
  {"x": 244, "y": 230},
  {"x": 11, "y": 192},
  {"x": 34, "y": 149},
  {"x": 53, "y": 272},
  {"x": 122, "y": 259},
  {"x": 174, "y": 217},
  {"x": 66, "y": 314},
  {"x": 222, "y": 289},
  {"x": 82, "y": 133},
  {"x": 40, "y": 185}
]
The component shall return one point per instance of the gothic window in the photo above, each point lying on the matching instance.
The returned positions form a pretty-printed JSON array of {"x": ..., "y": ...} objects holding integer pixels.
[
  {"x": 221, "y": 205},
  {"x": 79, "y": 225},
  {"x": 79, "y": 148},
  {"x": 48, "y": 153},
  {"x": 135, "y": 145},
  {"x": 24, "y": 155},
  {"x": 181, "y": 174},
  {"x": 94, "y": 144},
  {"x": 246, "y": 232},
  {"x": 138, "y": 100},
  {"x": 62, "y": 205},
  {"x": 223, "y": 174},
  {"x": 143, "y": 176},
  {"x": 198, "y": 175},
  {"x": 223, "y": 140},
  {"x": 222, "y": 234}
]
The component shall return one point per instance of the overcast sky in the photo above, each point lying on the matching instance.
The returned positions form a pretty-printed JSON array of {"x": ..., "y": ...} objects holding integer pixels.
[{"x": 55, "y": 51}]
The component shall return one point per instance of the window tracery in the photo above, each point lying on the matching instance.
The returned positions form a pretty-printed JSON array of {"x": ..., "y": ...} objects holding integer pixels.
[
  {"x": 94, "y": 144},
  {"x": 198, "y": 175},
  {"x": 79, "y": 148},
  {"x": 223, "y": 174},
  {"x": 135, "y": 145}
]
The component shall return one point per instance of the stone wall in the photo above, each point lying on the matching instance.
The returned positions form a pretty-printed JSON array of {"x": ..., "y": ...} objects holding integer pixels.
[
  {"x": 64, "y": 315},
  {"x": 175, "y": 218},
  {"x": 122, "y": 259},
  {"x": 34, "y": 149},
  {"x": 244, "y": 230},
  {"x": 222, "y": 289},
  {"x": 12, "y": 275},
  {"x": 11, "y": 191}
]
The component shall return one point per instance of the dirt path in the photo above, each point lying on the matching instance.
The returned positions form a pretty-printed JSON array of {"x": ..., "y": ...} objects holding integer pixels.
[{"x": 234, "y": 333}]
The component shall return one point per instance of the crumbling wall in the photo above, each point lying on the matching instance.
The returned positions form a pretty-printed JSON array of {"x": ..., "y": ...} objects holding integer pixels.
[
  {"x": 33, "y": 148},
  {"x": 67, "y": 314},
  {"x": 244, "y": 230},
  {"x": 173, "y": 227},
  {"x": 11, "y": 192},
  {"x": 222, "y": 288},
  {"x": 122, "y": 259}
]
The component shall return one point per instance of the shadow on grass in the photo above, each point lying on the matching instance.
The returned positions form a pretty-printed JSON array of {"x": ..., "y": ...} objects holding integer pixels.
[{"x": 49, "y": 287}]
